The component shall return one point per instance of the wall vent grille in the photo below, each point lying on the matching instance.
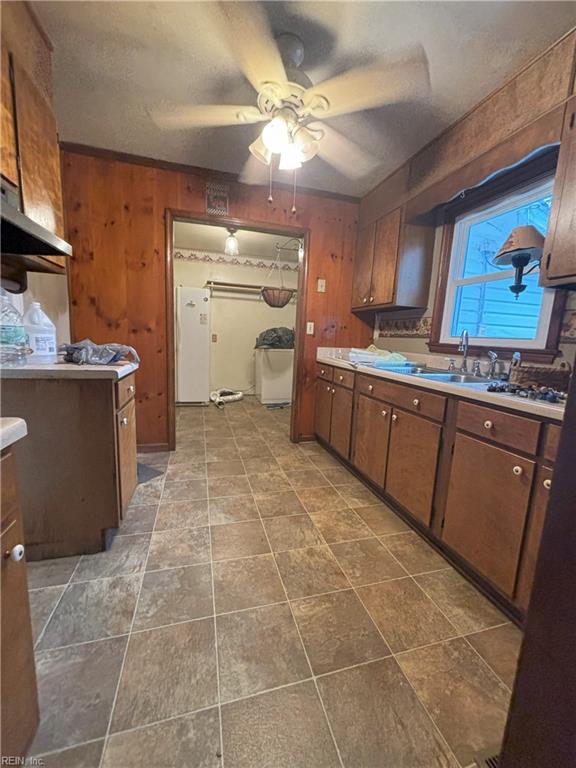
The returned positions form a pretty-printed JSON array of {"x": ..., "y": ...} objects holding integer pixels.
[{"x": 488, "y": 762}]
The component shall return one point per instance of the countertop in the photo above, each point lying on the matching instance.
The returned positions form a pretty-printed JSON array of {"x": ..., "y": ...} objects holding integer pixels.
[
  {"x": 11, "y": 430},
  {"x": 340, "y": 359},
  {"x": 35, "y": 370}
]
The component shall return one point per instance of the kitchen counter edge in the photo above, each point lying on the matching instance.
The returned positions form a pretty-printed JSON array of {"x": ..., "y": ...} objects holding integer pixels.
[{"x": 70, "y": 371}]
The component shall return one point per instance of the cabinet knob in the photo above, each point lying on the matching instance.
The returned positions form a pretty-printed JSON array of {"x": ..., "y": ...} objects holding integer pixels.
[
  {"x": 327, "y": 389},
  {"x": 124, "y": 421},
  {"x": 131, "y": 388},
  {"x": 341, "y": 378},
  {"x": 547, "y": 484},
  {"x": 416, "y": 402},
  {"x": 370, "y": 388},
  {"x": 517, "y": 470},
  {"x": 394, "y": 417},
  {"x": 16, "y": 553},
  {"x": 384, "y": 413},
  {"x": 322, "y": 371},
  {"x": 364, "y": 300},
  {"x": 488, "y": 424},
  {"x": 333, "y": 391},
  {"x": 371, "y": 299}
]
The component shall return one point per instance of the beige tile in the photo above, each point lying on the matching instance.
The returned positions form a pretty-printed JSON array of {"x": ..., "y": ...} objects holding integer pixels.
[
  {"x": 268, "y": 481},
  {"x": 225, "y": 468},
  {"x": 174, "y": 594},
  {"x": 337, "y": 632},
  {"x": 147, "y": 493},
  {"x": 126, "y": 556},
  {"x": 191, "y": 741},
  {"x": 92, "y": 610},
  {"x": 138, "y": 519},
  {"x": 377, "y": 720},
  {"x": 499, "y": 647},
  {"x": 382, "y": 520},
  {"x": 308, "y": 478},
  {"x": 414, "y": 553},
  {"x": 42, "y": 603},
  {"x": 293, "y": 532},
  {"x": 404, "y": 614},
  {"x": 280, "y": 729},
  {"x": 311, "y": 571},
  {"x": 462, "y": 603},
  {"x": 76, "y": 687},
  {"x": 182, "y": 514},
  {"x": 189, "y": 471},
  {"x": 256, "y": 449},
  {"x": 222, "y": 453},
  {"x": 83, "y": 756},
  {"x": 261, "y": 465},
  {"x": 366, "y": 562},
  {"x": 340, "y": 525},
  {"x": 171, "y": 549},
  {"x": 321, "y": 499},
  {"x": 357, "y": 495},
  {"x": 324, "y": 461},
  {"x": 167, "y": 672},
  {"x": 464, "y": 698},
  {"x": 228, "y": 486},
  {"x": 232, "y": 509},
  {"x": 50, "y": 573},
  {"x": 279, "y": 504},
  {"x": 238, "y": 540},
  {"x": 184, "y": 490},
  {"x": 292, "y": 461},
  {"x": 258, "y": 649},
  {"x": 338, "y": 476},
  {"x": 247, "y": 583}
]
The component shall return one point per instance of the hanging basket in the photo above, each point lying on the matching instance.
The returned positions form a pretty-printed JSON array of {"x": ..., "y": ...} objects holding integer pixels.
[{"x": 277, "y": 297}]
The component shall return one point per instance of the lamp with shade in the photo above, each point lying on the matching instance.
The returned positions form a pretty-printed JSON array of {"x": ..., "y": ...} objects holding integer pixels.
[
  {"x": 522, "y": 246},
  {"x": 231, "y": 247}
]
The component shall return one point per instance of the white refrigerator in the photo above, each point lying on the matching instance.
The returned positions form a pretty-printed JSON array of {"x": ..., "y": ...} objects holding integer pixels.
[{"x": 192, "y": 345}]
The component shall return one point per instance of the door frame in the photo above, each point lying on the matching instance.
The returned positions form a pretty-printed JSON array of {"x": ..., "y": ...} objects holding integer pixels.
[{"x": 175, "y": 214}]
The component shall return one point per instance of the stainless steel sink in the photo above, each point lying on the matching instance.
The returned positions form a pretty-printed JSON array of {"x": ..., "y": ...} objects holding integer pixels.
[{"x": 454, "y": 378}]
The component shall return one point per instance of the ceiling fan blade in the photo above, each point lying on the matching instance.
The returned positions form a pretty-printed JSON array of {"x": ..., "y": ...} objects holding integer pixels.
[
  {"x": 254, "y": 172},
  {"x": 252, "y": 43},
  {"x": 341, "y": 153},
  {"x": 384, "y": 82},
  {"x": 205, "y": 115}
]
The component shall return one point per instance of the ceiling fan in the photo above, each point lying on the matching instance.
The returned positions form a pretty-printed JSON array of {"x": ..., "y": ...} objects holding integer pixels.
[{"x": 291, "y": 105}]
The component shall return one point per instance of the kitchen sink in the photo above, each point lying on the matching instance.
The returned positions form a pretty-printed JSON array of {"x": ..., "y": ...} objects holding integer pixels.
[{"x": 449, "y": 376}]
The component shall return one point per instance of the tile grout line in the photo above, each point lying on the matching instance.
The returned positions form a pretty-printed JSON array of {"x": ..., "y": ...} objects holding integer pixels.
[{"x": 53, "y": 611}]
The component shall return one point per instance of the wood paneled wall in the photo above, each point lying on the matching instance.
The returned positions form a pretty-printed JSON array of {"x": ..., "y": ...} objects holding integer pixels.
[{"x": 115, "y": 216}]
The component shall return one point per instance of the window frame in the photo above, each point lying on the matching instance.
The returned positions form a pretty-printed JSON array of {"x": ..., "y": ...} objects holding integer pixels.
[{"x": 515, "y": 181}]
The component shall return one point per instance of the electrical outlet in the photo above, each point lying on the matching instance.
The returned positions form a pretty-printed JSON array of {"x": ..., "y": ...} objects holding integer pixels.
[
  {"x": 214, "y": 338},
  {"x": 321, "y": 285},
  {"x": 310, "y": 329}
]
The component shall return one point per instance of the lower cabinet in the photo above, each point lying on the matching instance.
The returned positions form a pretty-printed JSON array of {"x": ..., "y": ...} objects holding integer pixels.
[
  {"x": 412, "y": 460},
  {"x": 486, "y": 509},
  {"x": 127, "y": 462},
  {"x": 370, "y": 441},
  {"x": 323, "y": 409},
  {"x": 333, "y": 415}
]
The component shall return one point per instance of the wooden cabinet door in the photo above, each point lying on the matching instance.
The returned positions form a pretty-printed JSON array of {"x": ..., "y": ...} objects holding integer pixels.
[
  {"x": 8, "y": 153},
  {"x": 486, "y": 509},
  {"x": 412, "y": 460},
  {"x": 386, "y": 245},
  {"x": 341, "y": 420},
  {"x": 370, "y": 440},
  {"x": 39, "y": 157},
  {"x": 18, "y": 693},
  {"x": 559, "y": 261},
  {"x": 534, "y": 527},
  {"x": 363, "y": 267},
  {"x": 323, "y": 409},
  {"x": 127, "y": 463}
]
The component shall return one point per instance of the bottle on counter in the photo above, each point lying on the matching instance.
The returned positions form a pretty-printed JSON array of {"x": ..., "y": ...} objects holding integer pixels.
[
  {"x": 14, "y": 347},
  {"x": 41, "y": 334}
]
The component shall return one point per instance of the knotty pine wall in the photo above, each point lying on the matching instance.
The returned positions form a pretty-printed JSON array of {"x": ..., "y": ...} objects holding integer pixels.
[{"x": 115, "y": 211}]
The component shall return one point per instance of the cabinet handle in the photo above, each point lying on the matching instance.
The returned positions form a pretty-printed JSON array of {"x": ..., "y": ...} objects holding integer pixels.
[
  {"x": 488, "y": 424},
  {"x": 394, "y": 417},
  {"x": 416, "y": 402},
  {"x": 16, "y": 553},
  {"x": 370, "y": 388},
  {"x": 131, "y": 389},
  {"x": 341, "y": 378},
  {"x": 371, "y": 299},
  {"x": 384, "y": 413},
  {"x": 547, "y": 484},
  {"x": 364, "y": 300},
  {"x": 124, "y": 421},
  {"x": 517, "y": 470}
]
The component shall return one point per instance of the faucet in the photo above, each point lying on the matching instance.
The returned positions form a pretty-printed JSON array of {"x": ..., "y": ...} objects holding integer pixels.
[{"x": 463, "y": 347}]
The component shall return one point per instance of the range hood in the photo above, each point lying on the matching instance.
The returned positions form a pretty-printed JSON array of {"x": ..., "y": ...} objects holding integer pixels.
[{"x": 23, "y": 237}]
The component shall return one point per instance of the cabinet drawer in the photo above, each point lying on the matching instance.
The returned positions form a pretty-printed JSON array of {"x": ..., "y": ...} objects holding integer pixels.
[
  {"x": 504, "y": 428},
  {"x": 551, "y": 439},
  {"x": 411, "y": 399},
  {"x": 344, "y": 378},
  {"x": 125, "y": 390},
  {"x": 9, "y": 505},
  {"x": 324, "y": 371}
]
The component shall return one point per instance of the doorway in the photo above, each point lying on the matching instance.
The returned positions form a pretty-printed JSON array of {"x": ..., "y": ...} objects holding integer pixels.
[{"x": 217, "y": 312}]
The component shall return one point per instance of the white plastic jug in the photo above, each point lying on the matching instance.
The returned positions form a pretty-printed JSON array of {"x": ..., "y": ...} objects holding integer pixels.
[{"x": 41, "y": 334}]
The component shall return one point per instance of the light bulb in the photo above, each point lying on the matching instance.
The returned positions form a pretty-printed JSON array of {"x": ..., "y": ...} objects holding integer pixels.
[
  {"x": 290, "y": 158},
  {"x": 231, "y": 246},
  {"x": 276, "y": 135}
]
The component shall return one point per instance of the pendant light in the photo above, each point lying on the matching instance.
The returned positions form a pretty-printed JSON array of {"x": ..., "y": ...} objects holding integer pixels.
[{"x": 231, "y": 246}]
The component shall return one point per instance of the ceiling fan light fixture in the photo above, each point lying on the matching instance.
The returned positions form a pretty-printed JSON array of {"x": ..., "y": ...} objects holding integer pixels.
[
  {"x": 306, "y": 142},
  {"x": 231, "y": 247},
  {"x": 276, "y": 134},
  {"x": 290, "y": 158},
  {"x": 260, "y": 151}
]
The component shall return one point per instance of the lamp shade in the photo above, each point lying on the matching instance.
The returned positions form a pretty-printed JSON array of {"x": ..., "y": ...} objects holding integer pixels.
[
  {"x": 231, "y": 247},
  {"x": 523, "y": 245},
  {"x": 260, "y": 151}
]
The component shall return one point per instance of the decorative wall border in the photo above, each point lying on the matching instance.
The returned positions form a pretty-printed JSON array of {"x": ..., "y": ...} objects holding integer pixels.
[{"x": 207, "y": 257}]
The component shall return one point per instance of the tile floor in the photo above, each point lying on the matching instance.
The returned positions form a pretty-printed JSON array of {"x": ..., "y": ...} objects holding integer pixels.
[{"x": 261, "y": 608}]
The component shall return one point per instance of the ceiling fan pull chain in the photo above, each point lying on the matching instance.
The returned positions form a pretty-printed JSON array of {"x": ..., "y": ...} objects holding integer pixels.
[
  {"x": 294, "y": 194},
  {"x": 270, "y": 198}
]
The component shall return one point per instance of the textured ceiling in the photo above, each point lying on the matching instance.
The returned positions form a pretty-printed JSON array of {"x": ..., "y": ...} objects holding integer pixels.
[
  {"x": 203, "y": 237},
  {"x": 115, "y": 60}
]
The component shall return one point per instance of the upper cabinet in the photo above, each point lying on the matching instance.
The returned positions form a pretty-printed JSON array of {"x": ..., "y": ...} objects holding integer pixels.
[
  {"x": 559, "y": 260},
  {"x": 393, "y": 262}
]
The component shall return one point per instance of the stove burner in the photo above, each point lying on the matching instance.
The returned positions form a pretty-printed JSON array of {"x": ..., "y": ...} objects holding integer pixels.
[{"x": 530, "y": 392}]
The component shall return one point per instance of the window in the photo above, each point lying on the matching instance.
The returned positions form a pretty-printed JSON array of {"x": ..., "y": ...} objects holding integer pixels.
[{"x": 478, "y": 298}]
